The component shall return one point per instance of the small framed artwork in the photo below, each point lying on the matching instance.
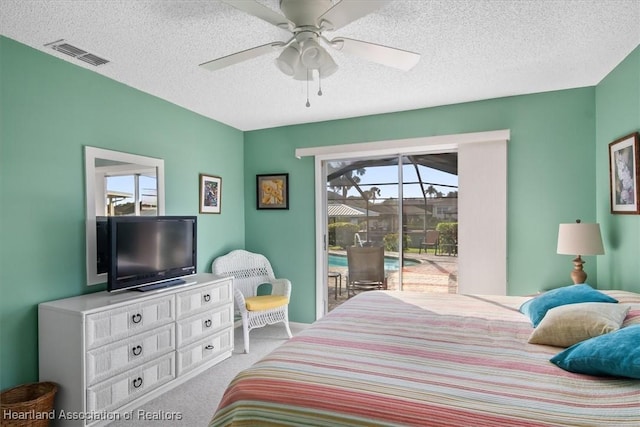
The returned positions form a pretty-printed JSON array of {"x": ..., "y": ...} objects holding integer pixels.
[
  {"x": 624, "y": 173},
  {"x": 210, "y": 194},
  {"x": 273, "y": 191}
]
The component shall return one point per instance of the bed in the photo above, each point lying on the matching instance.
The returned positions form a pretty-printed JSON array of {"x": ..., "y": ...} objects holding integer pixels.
[{"x": 402, "y": 358}]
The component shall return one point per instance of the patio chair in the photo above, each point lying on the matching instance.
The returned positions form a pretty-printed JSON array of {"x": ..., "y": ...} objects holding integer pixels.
[
  {"x": 365, "y": 267},
  {"x": 431, "y": 240},
  {"x": 250, "y": 270}
]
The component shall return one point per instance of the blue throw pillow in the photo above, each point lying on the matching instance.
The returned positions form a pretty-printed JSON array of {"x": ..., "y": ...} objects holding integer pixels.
[
  {"x": 537, "y": 307},
  {"x": 614, "y": 354}
]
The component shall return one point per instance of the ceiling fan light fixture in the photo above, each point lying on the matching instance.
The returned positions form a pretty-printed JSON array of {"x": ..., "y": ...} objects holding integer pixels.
[
  {"x": 288, "y": 60},
  {"x": 312, "y": 54},
  {"x": 302, "y": 73},
  {"x": 302, "y": 57},
  {"x": 328, "y": 67}
]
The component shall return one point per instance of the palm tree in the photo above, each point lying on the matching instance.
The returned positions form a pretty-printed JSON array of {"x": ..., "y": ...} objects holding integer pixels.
[
  {"x": 370, "y": 194},
  {"x": 347, "y": 180},
  {"x": 431, "y": 191}
]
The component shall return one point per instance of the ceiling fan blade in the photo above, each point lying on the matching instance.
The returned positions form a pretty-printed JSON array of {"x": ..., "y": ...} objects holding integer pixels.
[
  {"x": 258, "y": 10},
  {"x": 244, "y": 55},
  {"x": 385, "y": 55},
  {"x": 347, "y": 11}
]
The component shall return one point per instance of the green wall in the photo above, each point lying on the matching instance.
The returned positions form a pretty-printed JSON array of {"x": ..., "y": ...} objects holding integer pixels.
[
  {"x": 551, "y": 177},
  {"x": 618, "y": 114},
  {"x": 51, "y": 109}
]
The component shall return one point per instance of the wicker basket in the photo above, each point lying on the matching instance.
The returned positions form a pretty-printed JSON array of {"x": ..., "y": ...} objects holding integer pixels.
[{"x": 28, "y": 405}]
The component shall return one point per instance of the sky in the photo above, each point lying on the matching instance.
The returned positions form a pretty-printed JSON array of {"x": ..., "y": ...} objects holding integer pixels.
[
  {"x": 379, "y": 175},
  {"x": 125, "y": 184}
]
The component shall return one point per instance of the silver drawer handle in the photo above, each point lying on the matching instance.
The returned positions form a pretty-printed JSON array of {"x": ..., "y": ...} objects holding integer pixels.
[
  {"x": 137, "y": 350},
  {"x": 136, "y": 318},
  {"x": 207, "y": 323},
  {"x": 137, "y": 383},
  {"x": 207, "y": 297},
  {"x": 209, "y": 347}
]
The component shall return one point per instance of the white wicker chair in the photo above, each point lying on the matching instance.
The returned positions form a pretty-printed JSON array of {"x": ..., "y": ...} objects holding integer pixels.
[{"x": 250, "y": 270}]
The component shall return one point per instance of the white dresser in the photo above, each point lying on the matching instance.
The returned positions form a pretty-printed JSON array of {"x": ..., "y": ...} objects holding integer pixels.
[{"x": 111, "y": 352}]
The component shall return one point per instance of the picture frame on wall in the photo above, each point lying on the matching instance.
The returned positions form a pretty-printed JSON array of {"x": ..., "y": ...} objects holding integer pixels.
[
  {"x": 272, "y": 191},
  {"x": 624, "y": 174},
  {"x": 210, "y": 194}
]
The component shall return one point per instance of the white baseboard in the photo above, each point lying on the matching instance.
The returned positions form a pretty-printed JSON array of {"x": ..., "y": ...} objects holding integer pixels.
[{"x": 300, "y": 324}]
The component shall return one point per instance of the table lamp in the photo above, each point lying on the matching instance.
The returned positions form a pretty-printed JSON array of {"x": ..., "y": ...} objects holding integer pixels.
[{"x": 579, "y": 239}]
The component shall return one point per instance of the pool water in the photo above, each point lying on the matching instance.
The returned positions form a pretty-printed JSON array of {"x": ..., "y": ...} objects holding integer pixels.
[{"x": 390, "y": 263}]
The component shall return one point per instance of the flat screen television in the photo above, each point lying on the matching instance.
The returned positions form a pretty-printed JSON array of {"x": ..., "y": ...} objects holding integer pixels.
[{"x": 150, "y": 252}]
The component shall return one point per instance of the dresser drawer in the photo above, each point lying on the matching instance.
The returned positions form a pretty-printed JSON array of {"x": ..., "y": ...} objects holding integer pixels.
[
  {"x": 109, "y": 360},
  {"x": 111, "y": 325},
  {"x": 196, "y": 327},
  {"x": 116, "y": 392},
  {"x": 198, "y": 353},
  {"x": 206, "y": 297}
]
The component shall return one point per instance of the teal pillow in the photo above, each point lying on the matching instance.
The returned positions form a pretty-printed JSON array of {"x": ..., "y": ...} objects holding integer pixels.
[
  {"x": 537, "y": 307},
  {"x": 614, "y": 354}
]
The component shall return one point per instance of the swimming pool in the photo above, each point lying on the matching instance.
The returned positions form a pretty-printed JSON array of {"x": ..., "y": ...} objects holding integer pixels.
[{"x": 390, "y": 263}]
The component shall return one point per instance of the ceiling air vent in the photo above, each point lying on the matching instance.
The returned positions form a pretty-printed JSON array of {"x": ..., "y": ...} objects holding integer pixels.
[
  {"x": 63, "y": 47},
  {"x": 92, "y": 59}
]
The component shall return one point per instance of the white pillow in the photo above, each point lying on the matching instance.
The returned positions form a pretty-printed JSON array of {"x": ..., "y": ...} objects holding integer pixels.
[{"x": 569, "y": 324}]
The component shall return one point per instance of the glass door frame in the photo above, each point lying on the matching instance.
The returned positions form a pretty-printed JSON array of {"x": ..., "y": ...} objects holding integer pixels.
[
  {"x": 399, "y": 207},
  {"x": 424, "y": 145},
  {"x": 321, "y": 161}
]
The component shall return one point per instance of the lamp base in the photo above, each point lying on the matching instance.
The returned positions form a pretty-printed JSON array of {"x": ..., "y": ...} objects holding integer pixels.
[{"x": 577, "y": 274}]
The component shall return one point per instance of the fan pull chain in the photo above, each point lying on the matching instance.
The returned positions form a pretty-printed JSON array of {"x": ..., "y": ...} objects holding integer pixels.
[
  {"x": 308, "y": 104},
  {"x": 319, "y": 85}
]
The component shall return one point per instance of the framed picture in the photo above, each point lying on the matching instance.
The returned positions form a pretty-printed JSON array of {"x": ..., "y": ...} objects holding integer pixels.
[
  {"x": 273, "y": 191},
  {"x": 210, "y": 194},
  {"x": 624, "y": 173}
]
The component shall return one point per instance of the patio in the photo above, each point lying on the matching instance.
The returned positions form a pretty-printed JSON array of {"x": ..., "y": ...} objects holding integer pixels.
[{"x": 434, "y": 273}]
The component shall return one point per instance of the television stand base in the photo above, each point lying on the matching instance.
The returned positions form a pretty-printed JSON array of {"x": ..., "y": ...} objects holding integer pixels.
[{"x": 167, "y": 284}]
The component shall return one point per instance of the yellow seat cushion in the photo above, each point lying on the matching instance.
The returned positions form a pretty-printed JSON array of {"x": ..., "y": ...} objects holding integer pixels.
[{"x": 265, "y": 302}]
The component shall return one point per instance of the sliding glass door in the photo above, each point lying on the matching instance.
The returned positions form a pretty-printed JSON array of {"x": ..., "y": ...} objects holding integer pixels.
[{"x": 398, "y": 203}]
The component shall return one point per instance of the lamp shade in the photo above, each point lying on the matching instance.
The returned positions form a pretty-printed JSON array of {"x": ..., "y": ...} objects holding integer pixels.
[
  {"x": 302, "y": 73},
  {"x": 328, "y": 67},
  {"x": 288, "y": 60},
  {"x": 580, "y": 239},
  {"x": 312, "y": 54}
]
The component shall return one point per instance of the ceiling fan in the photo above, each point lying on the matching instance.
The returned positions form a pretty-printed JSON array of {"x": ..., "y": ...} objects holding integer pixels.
[{"x": 303, "y": 55}]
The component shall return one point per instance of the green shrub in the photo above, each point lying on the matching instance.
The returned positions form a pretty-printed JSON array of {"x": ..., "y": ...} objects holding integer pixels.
[
  {"x": 448, "y": 233},
  {"x": 341, "y": 234},
  {"x": 391, "y": 242}
]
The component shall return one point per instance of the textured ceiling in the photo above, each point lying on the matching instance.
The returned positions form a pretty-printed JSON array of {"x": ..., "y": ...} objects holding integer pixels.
[{"x": 471, "y": 50}]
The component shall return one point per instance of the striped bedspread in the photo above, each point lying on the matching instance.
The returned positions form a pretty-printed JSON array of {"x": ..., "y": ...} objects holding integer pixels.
[{"x": 399, "y": 358}]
